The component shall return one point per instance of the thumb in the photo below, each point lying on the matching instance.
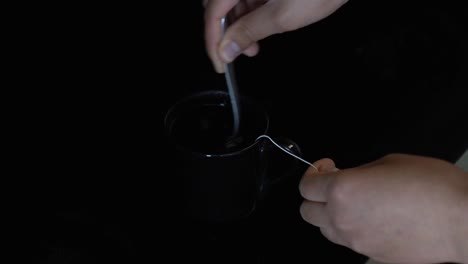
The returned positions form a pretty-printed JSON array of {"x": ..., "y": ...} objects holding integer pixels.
[
  {"x": 325, "y": 165},
  {"x": 247, "y": 30},
  {"x": 316, "y": 179}
]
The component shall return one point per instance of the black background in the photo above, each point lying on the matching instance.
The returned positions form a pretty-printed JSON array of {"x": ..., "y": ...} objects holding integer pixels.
[{"x": 94, "y": 181}]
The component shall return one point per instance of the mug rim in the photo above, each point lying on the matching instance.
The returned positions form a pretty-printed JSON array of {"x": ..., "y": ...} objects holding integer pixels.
[{"x": 201, "y": 94}]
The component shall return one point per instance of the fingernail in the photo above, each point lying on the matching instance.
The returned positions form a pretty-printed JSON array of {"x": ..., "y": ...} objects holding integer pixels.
[{"x": 230, "y": 51}]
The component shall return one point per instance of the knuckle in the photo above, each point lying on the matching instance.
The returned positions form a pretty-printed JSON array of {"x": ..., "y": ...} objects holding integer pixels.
[
  {"x": 340, "y": 222},
  {"x": 245, "y": 33},
  {"x": 340, "y": 194},
  {"x": 340, "y": 191},
  {"x": 362, "y": 244},
  {"x": 283, "y": 22},
  {"x": 329, "y": 234},
  {"x": 357, "y": 245}
]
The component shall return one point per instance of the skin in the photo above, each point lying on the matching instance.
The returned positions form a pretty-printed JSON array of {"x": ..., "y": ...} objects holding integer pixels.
[
  {"x": 400, "y": 208},
  {"x": 254, "y": 20}
]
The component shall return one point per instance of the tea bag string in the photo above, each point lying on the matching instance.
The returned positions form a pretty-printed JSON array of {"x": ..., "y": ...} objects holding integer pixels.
[{"x": 287, "y": 151}]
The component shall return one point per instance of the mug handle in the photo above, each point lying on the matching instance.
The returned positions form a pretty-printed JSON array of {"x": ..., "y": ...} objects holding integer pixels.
[{"x": 272, "y": 154}]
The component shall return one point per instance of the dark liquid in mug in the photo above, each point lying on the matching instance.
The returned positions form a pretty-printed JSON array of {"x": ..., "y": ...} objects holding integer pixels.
[{"x": 208, "y": 129}]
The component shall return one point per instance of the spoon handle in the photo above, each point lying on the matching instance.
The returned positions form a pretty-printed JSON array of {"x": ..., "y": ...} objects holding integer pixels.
[{"x": 232, "y": 88}]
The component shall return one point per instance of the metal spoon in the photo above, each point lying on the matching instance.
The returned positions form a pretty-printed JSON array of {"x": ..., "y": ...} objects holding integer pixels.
[{"x": 232, "y": 88}]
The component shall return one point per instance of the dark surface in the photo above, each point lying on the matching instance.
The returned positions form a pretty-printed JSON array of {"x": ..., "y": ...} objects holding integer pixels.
[{"x": 95, "y": 185}]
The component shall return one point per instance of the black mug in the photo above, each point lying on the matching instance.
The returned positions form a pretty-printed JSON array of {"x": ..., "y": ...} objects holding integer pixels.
[{"x": 224, "y": 177}]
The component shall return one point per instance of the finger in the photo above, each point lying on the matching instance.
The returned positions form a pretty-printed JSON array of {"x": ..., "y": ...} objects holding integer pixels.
[
  {"x": 253, "y": 4},
  {"x": 215, "y": 11},
  {"x": 315, "y": 213},
  {"x": 239, "y": 10},
  {"x": 330, "y": 233},
  {"x": 314, "y": 184},
  {"x": 247, "y": 30},
  {"x": 325, "y": 165},
  {"x": 252, "y": 50},
  {"x": 314, "y": 187}
]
